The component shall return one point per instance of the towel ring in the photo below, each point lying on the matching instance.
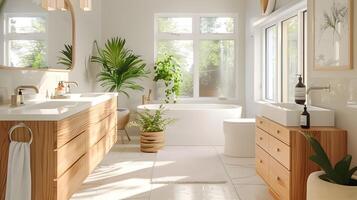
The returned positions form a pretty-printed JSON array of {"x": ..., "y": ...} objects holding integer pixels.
[{"x": 21, "y": 125}]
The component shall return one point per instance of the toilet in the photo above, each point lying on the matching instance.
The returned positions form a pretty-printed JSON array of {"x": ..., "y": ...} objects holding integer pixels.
[{"x": 239, "y": 137}]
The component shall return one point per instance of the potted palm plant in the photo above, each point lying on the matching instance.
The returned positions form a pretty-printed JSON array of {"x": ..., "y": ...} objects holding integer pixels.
[
  {"x": 120, "y": 68},
  {"x": 152, "y": 125},
  {"x": 333, "y": 182}
]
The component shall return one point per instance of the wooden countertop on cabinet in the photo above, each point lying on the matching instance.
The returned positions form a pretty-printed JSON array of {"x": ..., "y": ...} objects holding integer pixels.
[
  {"x": 282, "y": 155},
  {"x": 63, "y": 153}
]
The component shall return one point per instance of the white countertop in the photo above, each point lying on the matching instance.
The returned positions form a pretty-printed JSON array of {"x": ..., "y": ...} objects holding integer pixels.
[{"x": 54, "y": 109}]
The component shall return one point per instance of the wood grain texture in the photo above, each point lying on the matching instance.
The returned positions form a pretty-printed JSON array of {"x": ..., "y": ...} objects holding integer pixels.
[
  {"x": 63, "y": 153},
  {"x": 152, "y": 142},
  {"x": 43, "y": 158},
  {"x": 333, "y": 140}
]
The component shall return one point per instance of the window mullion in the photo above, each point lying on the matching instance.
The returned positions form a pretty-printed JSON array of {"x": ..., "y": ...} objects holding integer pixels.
[{"x": 196, "y": 49}]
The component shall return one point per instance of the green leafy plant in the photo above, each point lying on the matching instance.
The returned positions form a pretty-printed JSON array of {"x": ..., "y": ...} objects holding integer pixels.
[
  {"x": 169, "y": 71},
  {"x": 340, "y": 174},
  {"x": 149, "y": 121},
  {"x": 66, "y": 58},
  {"x": 120, "y": 67}
]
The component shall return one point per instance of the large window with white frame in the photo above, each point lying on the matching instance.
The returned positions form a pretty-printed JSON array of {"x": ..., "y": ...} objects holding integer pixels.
[
  {"x": 284, "y": 53},
  {"x": 205, "y": 47}
]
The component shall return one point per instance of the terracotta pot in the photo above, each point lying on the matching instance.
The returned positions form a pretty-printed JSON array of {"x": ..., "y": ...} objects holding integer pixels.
[
  {"x": 318, "y": 189},
  {"x": 123, "y": 118},
  {"x": 152, "y": 142}
]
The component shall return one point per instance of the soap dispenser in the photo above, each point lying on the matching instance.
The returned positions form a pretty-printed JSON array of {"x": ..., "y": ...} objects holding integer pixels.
[
  {"x": 21, "y": 95},
  {"x": 300, "y": 92},
  {"x": 305, "y": 119}
]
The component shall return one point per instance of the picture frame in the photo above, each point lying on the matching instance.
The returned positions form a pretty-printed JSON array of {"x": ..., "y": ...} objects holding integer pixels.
[{"x": 332, "y": 35}]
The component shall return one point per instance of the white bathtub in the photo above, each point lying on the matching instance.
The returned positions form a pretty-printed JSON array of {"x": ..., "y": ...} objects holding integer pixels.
[{"x": 197, "y": 124}]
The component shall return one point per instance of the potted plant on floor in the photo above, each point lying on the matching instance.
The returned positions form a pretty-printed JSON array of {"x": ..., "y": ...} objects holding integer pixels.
[
  {"x": 333, "y": 183},
  {"x": 119, "y": 71},
  {"x": 152, "y": 125}
]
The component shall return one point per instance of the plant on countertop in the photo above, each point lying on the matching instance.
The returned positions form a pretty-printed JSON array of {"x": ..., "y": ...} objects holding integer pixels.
[
  {"x": 340, "y": 174},
  {"x": 120, "y": 67},
  {"x": 149, "y": 121},
  {"x": 168, "y": 70},
  {"x": 66, "y": 58}
]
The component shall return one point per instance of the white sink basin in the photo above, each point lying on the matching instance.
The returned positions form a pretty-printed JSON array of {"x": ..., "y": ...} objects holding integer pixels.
[
  {"x": 52, "y": 105},
  {"x": 288, "y": 114},
  {"x": 85, "y": 95}
]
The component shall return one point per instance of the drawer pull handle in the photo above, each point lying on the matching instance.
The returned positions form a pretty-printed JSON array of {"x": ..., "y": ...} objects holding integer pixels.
[
  {"x": 277, "y": 131},
  {"x": 260, "y": 138},
  {"x": 278, "y": 150},
  {"x": 261, "y": 122},
  {"x": 260, "y": 161},
  {"x": 278, "y": 178}
]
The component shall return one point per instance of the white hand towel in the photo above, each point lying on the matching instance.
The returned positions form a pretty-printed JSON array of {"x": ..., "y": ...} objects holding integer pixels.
[{"x": 18, "y": 185}]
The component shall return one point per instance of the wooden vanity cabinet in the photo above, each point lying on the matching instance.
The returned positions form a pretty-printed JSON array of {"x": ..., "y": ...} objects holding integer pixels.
[
  {"x": 65, "y": 152},
  {"x": 282, "y": 156}
]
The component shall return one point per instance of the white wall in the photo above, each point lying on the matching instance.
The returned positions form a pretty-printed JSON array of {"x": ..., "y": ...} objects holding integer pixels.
[
  {"x": 134, "y": 21},
  {"x": 344, "y": 90},
  {"x": 88, "y": 30}
]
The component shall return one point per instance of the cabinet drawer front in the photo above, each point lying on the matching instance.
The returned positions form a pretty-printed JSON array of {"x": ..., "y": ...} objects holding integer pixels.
[
  {"x": 274, "y": 129},
  {"x": 279, "y": 151},
  {"x": 264, "y": 124},
  {"x": 262, "y": 163},
  {"x": 262, "y": 139},
  {"x": 72, "y": 126},
  {"x": 72, "y": 179},
  {"x": 279, "y": 180},
  {"x": 98, "y": 130},
  {"x": 68, "y": 154}
]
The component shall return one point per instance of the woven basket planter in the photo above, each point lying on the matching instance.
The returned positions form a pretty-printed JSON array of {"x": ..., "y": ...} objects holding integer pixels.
[{"x": 152, "y": 142}]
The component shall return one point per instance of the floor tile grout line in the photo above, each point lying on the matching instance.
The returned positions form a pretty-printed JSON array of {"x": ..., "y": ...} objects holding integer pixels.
[{"x": 225, "y": 169}]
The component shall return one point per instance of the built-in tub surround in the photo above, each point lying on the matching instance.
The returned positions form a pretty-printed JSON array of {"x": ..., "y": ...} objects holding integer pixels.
[
  {"x": 196, "y": 124},
  {"x": 70, "y": 138}
]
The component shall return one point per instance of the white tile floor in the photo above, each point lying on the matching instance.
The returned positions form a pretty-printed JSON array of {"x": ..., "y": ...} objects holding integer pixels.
[{"x": 126, "y": 173}]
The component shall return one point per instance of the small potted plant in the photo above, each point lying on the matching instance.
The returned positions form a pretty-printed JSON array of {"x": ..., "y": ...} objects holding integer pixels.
[
  {"x": 333, "y": 183},
  {"x": 152, "y": 125}
]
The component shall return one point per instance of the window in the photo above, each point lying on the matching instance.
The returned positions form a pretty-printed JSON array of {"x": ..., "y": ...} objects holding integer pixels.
[
  {"x": 284, "y": 53},
  {"x": 25, "y": 40},
  {"x": 205, "y": 47}
]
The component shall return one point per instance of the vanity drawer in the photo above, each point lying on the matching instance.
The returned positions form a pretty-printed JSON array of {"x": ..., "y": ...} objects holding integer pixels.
[
  {"x": 98, "y": 130},
  {"x": 279, "y": 180},
  {"x": 264, "y": 124},
  {"x": 72, "y": 179},
  {"x": 274, "y": 129},
  {"x": 262, "y": 139},
  {"x": 262, "y": 163},
  {"x": 68, "y": 154},
  {"x": 72, "y": 126},
  {"x": 280, "y": 151}
]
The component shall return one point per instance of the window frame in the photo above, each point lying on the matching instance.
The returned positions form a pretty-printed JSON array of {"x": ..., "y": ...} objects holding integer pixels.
[
  {"x": 278, "y": 21},
  {"x": 22, "y": 36},
  {"x": 196, "y": 36}
]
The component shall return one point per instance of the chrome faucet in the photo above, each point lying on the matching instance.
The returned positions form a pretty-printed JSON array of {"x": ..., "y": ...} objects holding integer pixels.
[
  {"x": 328, "y": 88},
  {"x": 69, "y": 83},
  {"x": 146, "y": 99},
  {"x": 23, "y": 87}
]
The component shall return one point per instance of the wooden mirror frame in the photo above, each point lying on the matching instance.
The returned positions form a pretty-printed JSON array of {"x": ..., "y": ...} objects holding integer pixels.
[{"x": 49, "y": 69}]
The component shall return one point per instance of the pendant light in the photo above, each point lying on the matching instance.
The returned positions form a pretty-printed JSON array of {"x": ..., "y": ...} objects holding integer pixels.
[
  {"x": 49, "y": 5},
  {"x": 62, "y": 5},
  {"x": 86, "y": 5}
]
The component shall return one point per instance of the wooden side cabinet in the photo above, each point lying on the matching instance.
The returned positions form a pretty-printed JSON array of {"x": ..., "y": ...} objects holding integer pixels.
[
  {"x": 65, "y": 152},
  {"x": 282, "y": 156}
]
